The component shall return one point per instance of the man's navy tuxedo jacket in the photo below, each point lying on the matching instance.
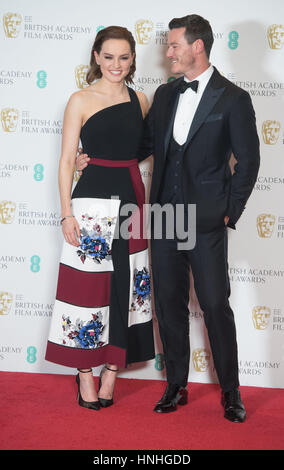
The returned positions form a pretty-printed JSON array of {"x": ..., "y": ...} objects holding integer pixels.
[{"x": 224, "y": 123}]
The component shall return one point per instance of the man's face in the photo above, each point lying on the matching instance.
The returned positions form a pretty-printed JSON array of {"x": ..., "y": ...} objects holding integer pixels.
[{"x": 180, "y": 53}]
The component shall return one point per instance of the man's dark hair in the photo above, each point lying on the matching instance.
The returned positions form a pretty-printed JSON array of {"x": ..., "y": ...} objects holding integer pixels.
[{"x": 196, "y": 28}]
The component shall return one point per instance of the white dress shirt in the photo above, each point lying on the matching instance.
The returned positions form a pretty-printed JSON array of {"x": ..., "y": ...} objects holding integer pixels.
[{"x": 187, "y": 106}]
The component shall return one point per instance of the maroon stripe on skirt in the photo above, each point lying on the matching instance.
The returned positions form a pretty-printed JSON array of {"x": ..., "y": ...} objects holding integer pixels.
[
  {"x": 85, "y": 289},
  {"x": 85, "y": 358},
  {"x": 139, "y": 242},
  {"x": 138, "y": 184}
]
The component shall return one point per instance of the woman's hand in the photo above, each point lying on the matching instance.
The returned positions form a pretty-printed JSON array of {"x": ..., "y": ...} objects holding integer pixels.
[{"x": 71, "y": 229}]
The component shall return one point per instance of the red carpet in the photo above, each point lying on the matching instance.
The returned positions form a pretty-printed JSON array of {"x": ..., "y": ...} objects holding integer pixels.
[{"x": 39, "y": 411}]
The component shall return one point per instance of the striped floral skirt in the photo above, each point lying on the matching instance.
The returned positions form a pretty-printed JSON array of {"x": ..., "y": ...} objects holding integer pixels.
[{"x": 102, "y": 311}]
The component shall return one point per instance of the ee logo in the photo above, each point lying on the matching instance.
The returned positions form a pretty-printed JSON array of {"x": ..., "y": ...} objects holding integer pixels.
[
  {"x": 41, "y": 79},
  {"x": 159, "y": 361},
  {"x": 35, "y": 263},
  {"x": 31, "y": 354},
  {"x": 38, "y": 172},
  {"x": 233, "y": 40}
]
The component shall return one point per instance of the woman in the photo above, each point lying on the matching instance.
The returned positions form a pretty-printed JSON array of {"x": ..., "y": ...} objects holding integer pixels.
[{"x": 102, "y": 311}]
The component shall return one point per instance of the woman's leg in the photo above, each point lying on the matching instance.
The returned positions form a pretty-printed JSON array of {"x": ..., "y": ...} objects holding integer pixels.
[
  {"x": 108, "y": 376},
  {"x": 87, "y": 385}
]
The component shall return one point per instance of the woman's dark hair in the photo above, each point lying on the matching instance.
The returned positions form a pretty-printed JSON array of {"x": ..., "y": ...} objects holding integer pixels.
[
  {"x": 112, "y": 32},
  {"x": 196, "y": 27}
]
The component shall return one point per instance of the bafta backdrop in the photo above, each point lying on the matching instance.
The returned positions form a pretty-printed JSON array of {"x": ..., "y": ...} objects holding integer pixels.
[{"x": 45, "y": 55}]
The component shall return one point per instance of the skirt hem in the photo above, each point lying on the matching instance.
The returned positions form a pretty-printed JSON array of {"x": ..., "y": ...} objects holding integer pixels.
[{"x": 82, "y": 358}]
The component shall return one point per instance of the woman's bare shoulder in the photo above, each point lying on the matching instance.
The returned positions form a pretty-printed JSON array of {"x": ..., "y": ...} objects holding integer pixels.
[{"x": 79, "y": 96}]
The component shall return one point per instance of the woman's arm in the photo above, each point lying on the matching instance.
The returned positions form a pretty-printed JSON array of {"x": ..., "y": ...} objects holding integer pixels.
[{"x": 72, "y": 124}]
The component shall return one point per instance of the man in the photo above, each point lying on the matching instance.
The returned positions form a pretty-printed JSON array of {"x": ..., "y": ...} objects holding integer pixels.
[{"x": 193, "y": 126}]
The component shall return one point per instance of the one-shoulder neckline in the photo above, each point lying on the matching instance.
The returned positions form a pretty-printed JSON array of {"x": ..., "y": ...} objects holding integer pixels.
[{"x": 109, "y": 107}]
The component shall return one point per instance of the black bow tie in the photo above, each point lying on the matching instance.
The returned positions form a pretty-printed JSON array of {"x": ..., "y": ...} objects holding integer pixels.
[{"x": 185, "y": 85}]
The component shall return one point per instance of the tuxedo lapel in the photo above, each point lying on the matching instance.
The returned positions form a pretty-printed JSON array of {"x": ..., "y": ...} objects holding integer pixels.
[
  {"x": 211, "y": 95},
  {"x": 170, "y": 113}
]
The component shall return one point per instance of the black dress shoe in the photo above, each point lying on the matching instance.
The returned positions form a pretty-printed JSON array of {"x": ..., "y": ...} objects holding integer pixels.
[
  {"x": 173, "y": 396},
  {"x": 233, "y": 406}
]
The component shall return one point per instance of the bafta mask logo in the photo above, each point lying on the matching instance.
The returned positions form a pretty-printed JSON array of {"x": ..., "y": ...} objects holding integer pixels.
[
  {"x": 9, "y": 119},
  {"x": 265, "y": 225},
  {"x": 260, "y": 317},
  {"x": 12, "y": 24},
  {"x": 270, "y": 132},
  {"x": 275, "y": 35},
  {"x": 7, "y": 212},
  {"x": 6, "y": 300},
  {"x": 143, "y": 31},
  {"x": 80, "y": 75},
  {"x": 200, "y": 358}
]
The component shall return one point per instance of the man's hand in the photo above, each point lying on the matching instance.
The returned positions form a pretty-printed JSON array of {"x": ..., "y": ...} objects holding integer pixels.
[
  {"x": 226, "y": 219},
  {"x": 82, "y": 161}
]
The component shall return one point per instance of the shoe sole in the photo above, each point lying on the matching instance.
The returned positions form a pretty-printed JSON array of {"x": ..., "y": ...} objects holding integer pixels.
[
  {"x": 183, "y": 401},
  {"x": 235, "y": 420}
]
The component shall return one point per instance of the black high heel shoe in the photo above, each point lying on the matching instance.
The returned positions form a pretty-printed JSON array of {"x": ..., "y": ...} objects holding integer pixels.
[
  {"x": 105, "y": 402},
  {"x": 92, "y": 405}
]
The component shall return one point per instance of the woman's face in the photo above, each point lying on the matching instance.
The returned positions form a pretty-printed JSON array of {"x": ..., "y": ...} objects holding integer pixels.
[{"x": 115, "y": 59}]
